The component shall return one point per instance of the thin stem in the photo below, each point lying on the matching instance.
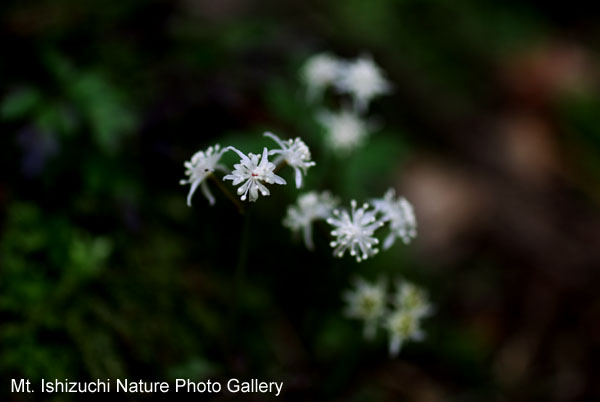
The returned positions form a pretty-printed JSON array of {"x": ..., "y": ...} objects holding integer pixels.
[
  {"x": 280, "y": 166},
  {"x": 240, "y": 271},
  {"x": 232, "y": 198}
]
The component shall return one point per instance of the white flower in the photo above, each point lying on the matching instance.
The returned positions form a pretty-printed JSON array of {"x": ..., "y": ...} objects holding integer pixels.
[
  {"x": 355, "y": 231},
  {"x": 346, "y": 131},
  {"x": 295, "y": 153},
  {"x": 202, "y": 164},
  {"x": 254, "y": 170},
  {"x": 311, "y": 206},
  {"x": 412, "y": 298},
  {"x": 366, "y": 302},
  {"x": 363, "y": 80},
  {"x": 403, "y": 325},
  {"x": 400, "y": 215},
  {"x": 320, "y": 71}
]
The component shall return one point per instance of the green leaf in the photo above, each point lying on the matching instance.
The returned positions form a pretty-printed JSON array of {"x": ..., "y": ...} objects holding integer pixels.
[{"x": 20, "y": 103}]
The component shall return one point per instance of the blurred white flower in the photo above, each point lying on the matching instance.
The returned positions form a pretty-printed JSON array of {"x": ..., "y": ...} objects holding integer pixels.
[
  {"x": 412, "y": 298},
  {"x": 354, "y": 230},
  {"x": 400, "y": 315},
  {"x": 363, "y": 80},
  {"x": 320, "y": 71},
  {"x": 310, "y": 207},
  {"x": 403, "y": 325},
  {"x": 254, "y": 169},
  {"x": 202, "y": 164},
  {"x": 366, "y": 302},
  {"x": 295, "y": 153},
  {"x": 346, "y": 131},
  {"x": 400, "y": 215}
]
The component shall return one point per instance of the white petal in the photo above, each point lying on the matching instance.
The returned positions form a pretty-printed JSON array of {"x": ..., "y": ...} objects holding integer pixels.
[
  {"x": 253, "y": 192},
  {"x": 237, "y": 151},
  {"x": 278, "y": 179},
  {"x": 275, "y": 138},
  {"x": 263, "y": 189},
  {"x": 298, "y": 177},
  {"x": 192, "y": 190},
  {"x": 389, "y": 241},
  {"x": 207, "y": 193},
  {"x": 222, "y": 168},
  {"x": 308, "y": 241},
  {"x": 265, "y": 158}
]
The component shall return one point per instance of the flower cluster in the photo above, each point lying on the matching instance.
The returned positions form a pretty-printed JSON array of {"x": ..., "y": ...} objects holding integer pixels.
[
  {"x": 319, "y": 72},
  {"x": 346, "y": 131},
  {"x": 400, "y": 215},
  {"x": 202, "y": 165},
  {"x": 400, "y": 314},
  {"x": 367, "y": 302},
  {"x": 295, "y": 153},
  {"x": 252, "y": 173},
  {"x": 359, "y": 230},
  {"x": 361, "y": 80},
  {"x": 311, "y": 206},
  {"x": 354, "y": 230}
]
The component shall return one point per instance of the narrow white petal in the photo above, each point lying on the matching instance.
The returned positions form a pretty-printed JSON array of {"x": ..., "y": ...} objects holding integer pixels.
[
  {"x": 253, "y": 192},
  {"x": 275, "y": 138},
  {"x": 278, "y": 179},
  {"x": 389, "y": 241},
  {"x": 207, "y": 193},
  {"x": 308, "y": 241},
  {"x": 222, "y": 168},
  {"x": 237, "y": 151},
  {"x": 298, "y": 177},
  {"x": 264, "y": 158}
]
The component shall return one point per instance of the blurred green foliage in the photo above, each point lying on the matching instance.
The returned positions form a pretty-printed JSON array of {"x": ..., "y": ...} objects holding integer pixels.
[{"x": 85, "y": 101}]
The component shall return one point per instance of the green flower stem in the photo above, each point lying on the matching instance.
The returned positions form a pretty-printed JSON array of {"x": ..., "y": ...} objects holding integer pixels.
[
  {"x": 232, "y": 198},
  {"x": 280, "y": 166},
  {"x": 240, "y": 272}
]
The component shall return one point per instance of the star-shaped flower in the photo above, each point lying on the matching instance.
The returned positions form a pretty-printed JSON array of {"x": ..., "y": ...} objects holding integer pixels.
[
  {"x": 202, "y": 164},
  {"x": 253, "y": 170},
  {"x": 345, "y": 130},
  {"x": 355, "y": 230},
  {"x": 363, "y": 80},
  {"x": 295, "y": 153},
  {"x": 320, "y": 71},
  {"x": 403, "y": 325},
  {"x": 366, "y": 302}
]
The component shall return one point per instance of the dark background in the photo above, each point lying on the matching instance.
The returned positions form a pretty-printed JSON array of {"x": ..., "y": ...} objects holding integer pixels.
[{"x": 492, "y": 132}]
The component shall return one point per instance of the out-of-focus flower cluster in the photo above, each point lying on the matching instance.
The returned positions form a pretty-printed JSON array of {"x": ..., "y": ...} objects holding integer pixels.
[
  {"x": 361, "y": 80},
  {"x": 252, "y": 173},
  {"x": 310, "y": 207},
  {"x": 399, "y": 313},
  {"x": 354, "y": 230}
]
